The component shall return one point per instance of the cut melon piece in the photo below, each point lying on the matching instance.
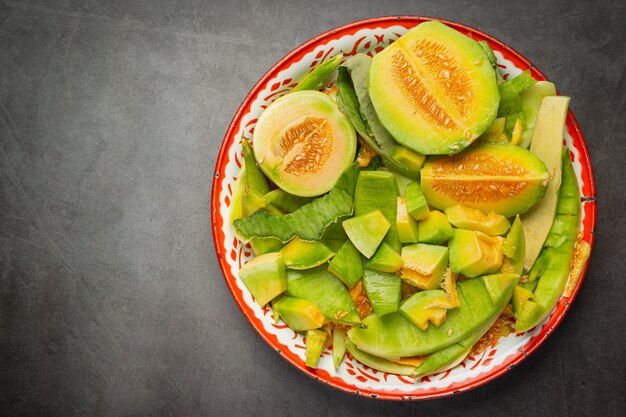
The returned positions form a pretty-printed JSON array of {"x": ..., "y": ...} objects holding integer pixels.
[
  {"x": 413, "y": 161},
  {"x": 473, "y": 219},
  {"x": 423, "y": 265},
  {"x": 383, "y": 291},
  {"x": 531, "y": 99},
  {"x": 339, "y": 346},
  {"x": 423, "y": 307},
  {"x": 407, "y": 225},
  {"x": 474, "y": 253},
  {"x": 378, "y": 190},
  {"x": 434, "y": 89},
  {"x": 503, "y": 178},
  {"x": 325, "y": 291},
  {"x": 498, "y": 286},
  {"x": 303, "y": 143},
  {"x": 261, "y": 245},
  {"x": 547, "y": 144},
  {"x": 315, "y": 344},
  {"x": 265, "y": 277},
  {"x": 416, "y": 203},
  {"x": 299, "y": 254},
  {"x": 367, "y": 231},
  {"x": 434, "y": 229},
  {"x": 386, "y": 259},
  {"x": 514, "y": 248},
  {"x": 347, "y": 264},
  {"x": 299, "y": 314}
]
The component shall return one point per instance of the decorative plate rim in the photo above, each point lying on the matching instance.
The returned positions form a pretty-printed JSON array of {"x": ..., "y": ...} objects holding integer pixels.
[{"x": 471, "y": 382}]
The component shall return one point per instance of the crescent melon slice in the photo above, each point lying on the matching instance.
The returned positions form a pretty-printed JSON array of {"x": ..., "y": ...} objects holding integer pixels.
[
  {"x": 503, "y": 178},
  {"x": 547, "y": 144}
]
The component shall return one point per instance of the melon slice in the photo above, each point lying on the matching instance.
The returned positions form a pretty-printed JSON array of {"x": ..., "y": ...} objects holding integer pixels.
[
  {"x": 503, "y": 178},
  {"x": 547, "y": 144},
  {"x": 434, "y": 89}
]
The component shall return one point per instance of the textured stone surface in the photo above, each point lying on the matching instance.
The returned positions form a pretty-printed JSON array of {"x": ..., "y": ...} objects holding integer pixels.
[{"x": 111, "y": 299}]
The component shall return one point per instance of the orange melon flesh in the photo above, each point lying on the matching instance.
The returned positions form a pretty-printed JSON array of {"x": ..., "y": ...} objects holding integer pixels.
[
  {"x": 303, "y": 143},
  {"x": 503, "y": 178},
  {"x": 434, "y": 89}
]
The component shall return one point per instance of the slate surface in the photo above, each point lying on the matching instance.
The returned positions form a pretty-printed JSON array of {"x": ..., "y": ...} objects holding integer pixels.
[{"x": 111, "y": 299}]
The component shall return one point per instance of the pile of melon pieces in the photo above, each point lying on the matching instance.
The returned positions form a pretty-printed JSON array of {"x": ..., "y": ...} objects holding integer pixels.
[{"x": 397, "y": 212}]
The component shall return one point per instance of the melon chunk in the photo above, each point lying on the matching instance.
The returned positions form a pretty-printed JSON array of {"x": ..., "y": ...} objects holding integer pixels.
[{"x": 434, "y": 89}]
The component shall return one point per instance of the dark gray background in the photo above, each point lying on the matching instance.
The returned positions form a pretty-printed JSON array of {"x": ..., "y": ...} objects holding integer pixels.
[{"x": 111, "y": 117}]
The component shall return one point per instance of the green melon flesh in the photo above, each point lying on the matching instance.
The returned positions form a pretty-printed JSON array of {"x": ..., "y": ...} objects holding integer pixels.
[
  {"x": 299, "y": 254},
  {"x": 474, "y": 253},
  {"x": 434, "y": 89},
  {"x": 265, "y": 277},
  {"x": 303, "y": 143},
  {"x": 434, "y": 229},
  {"x": 503, "y": 178},
  {"x": 473, "y": 219},
  {"x": 422, "y": 307},
  {"x": 299, "y": 314},
  {"x": 386, "y": 259},
  {"x": 367, "y": 231},
  {"x": 514, "y": 249},
  {"x": 347, "y": 264},
  {"x": 339, "y": 345},
  {"x": 315, "y": 345},
  {"x": 423, "y": 265}
]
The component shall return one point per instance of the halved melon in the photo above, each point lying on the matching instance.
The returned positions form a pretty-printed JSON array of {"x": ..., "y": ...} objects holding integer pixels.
[
  {"x": 303, "y": 143},
  {"x": 434, "y": 89},
  {"x": 503, "y": 178}
]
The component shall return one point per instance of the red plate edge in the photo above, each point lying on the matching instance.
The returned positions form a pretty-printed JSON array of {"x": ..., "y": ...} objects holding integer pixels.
[{"x": 589, "y": 206}]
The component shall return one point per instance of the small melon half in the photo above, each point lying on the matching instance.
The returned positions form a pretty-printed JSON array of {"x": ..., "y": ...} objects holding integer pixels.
[{"x": 303, "y": 143}]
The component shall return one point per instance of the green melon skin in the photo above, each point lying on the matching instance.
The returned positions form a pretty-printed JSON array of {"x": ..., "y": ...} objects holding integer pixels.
[
  {"x": 552, "y": 268},
  {"x": 315, "y": 344},
  {"x": 323, "y": 289},
  {"x": 380, "y": 364},
  {"x": 379, "y": 190},
  {"x": 386, "y": 259},
  {"x": 383, "y": 291},
  {"x": 449, "y": 357},
  {"x": 501, "y": 178},
  {"x": 434, "y": 89},
  {"x": 393, "y": 336},
  {"x": 347, "y": 264}
]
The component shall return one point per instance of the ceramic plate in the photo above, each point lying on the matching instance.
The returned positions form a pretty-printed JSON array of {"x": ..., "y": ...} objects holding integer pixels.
[{"x": 370, "y": 37}]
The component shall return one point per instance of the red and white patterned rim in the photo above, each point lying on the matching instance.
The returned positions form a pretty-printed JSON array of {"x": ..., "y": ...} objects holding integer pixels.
[{"x": 371, "y": 36}]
